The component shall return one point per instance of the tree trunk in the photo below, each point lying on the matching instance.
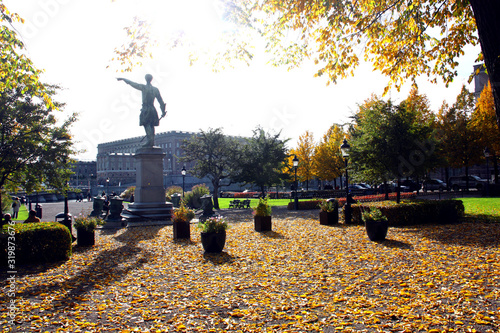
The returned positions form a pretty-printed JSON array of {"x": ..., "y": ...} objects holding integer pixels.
[
  {"x": 486, "y": 13},
  {"x": 495, "y": 167},
  {"x": 216, "y": 194}
]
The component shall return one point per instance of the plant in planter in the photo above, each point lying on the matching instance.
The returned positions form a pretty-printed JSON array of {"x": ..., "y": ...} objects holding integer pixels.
[
  {"x": 329, "y": 212},
  {"x": 85, "y": 229},
  {"x": 182, "y": 217},
  {"x": 376, "y": 223},
  {"x": 262, "y": 215},
  {"x": 213, "y": 234}
]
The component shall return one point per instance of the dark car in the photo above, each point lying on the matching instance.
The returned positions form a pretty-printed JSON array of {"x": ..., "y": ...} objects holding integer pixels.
[
  {"x": 433, "y": 185},
  {"x": 392, "y": 187},
  {"x": 411, "y": 185}
]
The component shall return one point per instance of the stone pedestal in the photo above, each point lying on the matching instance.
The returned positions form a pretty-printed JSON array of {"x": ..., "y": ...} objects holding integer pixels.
[
  {"x": 149, "y": 207},
  {"x": 114, "y": 219}
]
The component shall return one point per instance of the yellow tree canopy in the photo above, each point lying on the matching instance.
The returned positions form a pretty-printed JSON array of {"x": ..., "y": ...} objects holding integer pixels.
[
  {"x": 305, "y": 153},
  {"x": 328, "y": 163},
  {"x": 484, "y": 121}
]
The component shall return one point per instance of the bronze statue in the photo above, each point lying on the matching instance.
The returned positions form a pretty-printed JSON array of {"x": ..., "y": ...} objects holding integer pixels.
[{"x": 149, "y": 117}]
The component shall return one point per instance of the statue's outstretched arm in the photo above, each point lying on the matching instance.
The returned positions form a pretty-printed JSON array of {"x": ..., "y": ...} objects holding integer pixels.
[{"x": 137, "y": 86}]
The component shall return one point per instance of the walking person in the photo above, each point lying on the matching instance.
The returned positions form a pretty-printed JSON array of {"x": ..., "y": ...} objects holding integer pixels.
[{"x": 15, "y": 208}]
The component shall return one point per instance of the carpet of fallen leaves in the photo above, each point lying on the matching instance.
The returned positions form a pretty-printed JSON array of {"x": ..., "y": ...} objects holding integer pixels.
[{"x": 300, "y": 277}]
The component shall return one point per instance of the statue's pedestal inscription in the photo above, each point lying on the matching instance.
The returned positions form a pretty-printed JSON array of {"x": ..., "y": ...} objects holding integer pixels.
[{"x": 150, "y": 207}]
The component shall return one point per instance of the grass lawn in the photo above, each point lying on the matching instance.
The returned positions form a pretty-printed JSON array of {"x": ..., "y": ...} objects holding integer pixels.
[
  {"x": 482, "y": 208},
  {"x": 23, "y": 213},
  {"x": 224, "y": 202}
]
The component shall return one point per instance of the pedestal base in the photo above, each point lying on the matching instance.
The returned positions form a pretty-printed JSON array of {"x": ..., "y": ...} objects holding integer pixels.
[
  {"x": 149, "y": 207},
  {"x": 152, "y": 213}
]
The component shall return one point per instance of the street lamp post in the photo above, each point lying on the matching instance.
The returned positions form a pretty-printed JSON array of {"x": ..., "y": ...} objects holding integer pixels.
[
  {"x": 183, "y": 172},
  {"x": 295, "y": 167},
  {"x": 107, "y": 187},
  {"x": 487, "y": 156},
  {"x": 345, "y": 154}
]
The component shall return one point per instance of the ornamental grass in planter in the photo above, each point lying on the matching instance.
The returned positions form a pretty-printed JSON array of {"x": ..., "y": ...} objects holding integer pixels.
[
  {"x": 329, "y": 212},
  {"x": 376, "y": 224},
  {"x": 213, "y": 234},
  {"x": 181, "y": 226},
  {"x": 85, "y": 229},
  {"x": 262, "y": 215}
]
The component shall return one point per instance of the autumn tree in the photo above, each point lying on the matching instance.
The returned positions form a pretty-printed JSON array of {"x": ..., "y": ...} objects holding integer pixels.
[
  {"x": 305, "y": 153},
  {"x": 34, "y": 148},
  {"x": 17, "y": 71},
  {"x": 402, "y": 39},
  {"x": 390, "y": 141},
  {"x": 458, "y": 138},
  {"x": 328, "y": 163},
  {"x": 263, "y": 160},
  {"x": 484, "y": 122},
  {"x": 214, "y": 155}
]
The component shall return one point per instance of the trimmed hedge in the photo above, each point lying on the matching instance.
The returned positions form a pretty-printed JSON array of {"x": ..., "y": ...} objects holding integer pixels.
[
  {"x": 414, "y": 212},
  {"x": 34, "y": 243},
  {"x": 305, "y": 205}
]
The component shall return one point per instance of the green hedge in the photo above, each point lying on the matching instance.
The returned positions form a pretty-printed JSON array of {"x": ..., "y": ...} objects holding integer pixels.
[
  {"x": 34, "y": 243},
  {"x": 414, "y": 212},
  {"x": 305, "y": 205}
]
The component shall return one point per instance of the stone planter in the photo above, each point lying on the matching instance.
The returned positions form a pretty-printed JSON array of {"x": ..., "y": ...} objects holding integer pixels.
[
  {"x": 262, "y": 223},
  {"x": 85, "y": 238},
  {"x": 376, "y": 230},
  {"x": 329, "y": 218},
  {"x": 213, "y": 242},
  {"x": 182, "y": 230}
]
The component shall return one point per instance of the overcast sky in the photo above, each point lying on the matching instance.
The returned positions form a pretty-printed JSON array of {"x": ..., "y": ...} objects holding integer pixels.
[{"x": 73, "y": 41}]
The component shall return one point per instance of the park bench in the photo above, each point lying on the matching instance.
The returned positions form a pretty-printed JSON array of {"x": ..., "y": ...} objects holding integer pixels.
[
  {"x": 244, "y": 204},
  {"x": 234, "y": 204}
]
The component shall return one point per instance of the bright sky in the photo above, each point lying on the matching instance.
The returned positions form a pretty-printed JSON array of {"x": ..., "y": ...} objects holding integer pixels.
[{"x": 73, "y": 41}]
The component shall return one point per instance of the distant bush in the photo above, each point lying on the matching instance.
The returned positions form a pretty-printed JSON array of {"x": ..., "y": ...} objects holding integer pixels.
[
  {"x": 414, "y": 212},
  {"x": 192, "y": 198},
  {"x": 35, "y": 243},
  {"x": 172, "y": 190},
  {"x": 305, "y": 205},
  {"x": 128, "y": 193}
]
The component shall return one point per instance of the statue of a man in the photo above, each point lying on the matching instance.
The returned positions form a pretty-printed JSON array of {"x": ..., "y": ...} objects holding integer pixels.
[{"x": 149, "y": 117}]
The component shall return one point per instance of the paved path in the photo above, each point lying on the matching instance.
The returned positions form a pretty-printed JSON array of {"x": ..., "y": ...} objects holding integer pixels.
[{"x": 51, "y": 209}]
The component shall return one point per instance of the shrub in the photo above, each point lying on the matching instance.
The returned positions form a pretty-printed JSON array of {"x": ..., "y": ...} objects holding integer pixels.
[
  {"x": 35, "y": 243},
  {"x": 172, "y": 190},
  {"x": 414, "y": 212},
  {"x": 128, "y": 193},
  {"x": 192, "y": 198},
  {"x": 263, "y": 208},
  {"x": 305, "y": 205},
  {"x": 6, "y": 201}
]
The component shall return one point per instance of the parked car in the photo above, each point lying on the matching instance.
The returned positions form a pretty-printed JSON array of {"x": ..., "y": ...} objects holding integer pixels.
[
  {"x": 391, "y": 186},
  {"x": 433, "y": 185},
  {"x": 460, "y": 182},
  {"x": 356, "y": 187},
  {"x": 411, "y": 184}
]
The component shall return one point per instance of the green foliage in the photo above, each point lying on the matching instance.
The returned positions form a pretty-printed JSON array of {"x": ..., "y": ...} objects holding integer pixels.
[
  {"x": 304, "y": 205},
  {"x": 35, "y": 243},
  {"x": 263, "y": 161},
  {"x": 172, "y": 190},
  {"x": 6, "y": 201},
  {"x": 192, "y": 198},
  {"x": 213, "y": 224},
  {"x": 128, "y": 192},
  {"x": 88, "y": 223},
  {"x": 183, "y": 214},
  {"x": 413, "y": 212},
  {"x": 263, "y": 208},
  {"x": 458, "y": 135},
  {"x": 214, "y": 155},
  {"x": 391, "y": 141},
  {"x": 328, "y": 205},
  {"x": 372, "y": 213}
]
